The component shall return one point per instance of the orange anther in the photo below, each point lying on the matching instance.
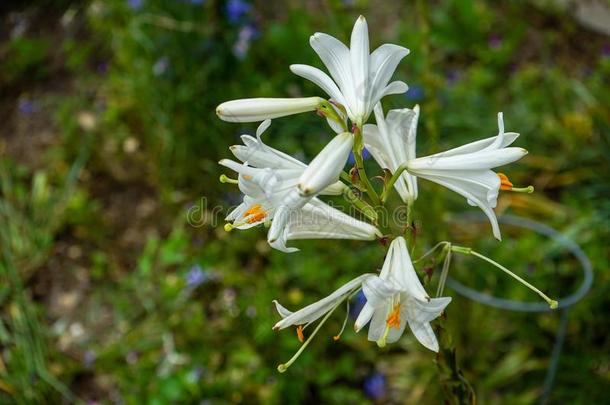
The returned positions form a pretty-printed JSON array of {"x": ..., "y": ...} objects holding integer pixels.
[
  {"x": 505, "y": 183},
  {"x": 255, "y": 214},
  {"x": 300, "y": 333},
  {"x": 393, "y": 320}
]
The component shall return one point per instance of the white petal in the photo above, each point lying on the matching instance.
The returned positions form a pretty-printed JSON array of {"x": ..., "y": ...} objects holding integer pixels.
[
  {"x": 378, "y": 291},
  {"x": 396, "y": 87},
  {"x": 282, "y": 310},
  {"x": 364, "y": 316},
  {"x": 326, "y": 167},
  {"x": 319, "y": 78},
  {"x": 317, "y": 220},
  {"x": 373, "y": 142},
  {"x": 402, "y": 270},
  {"x": 471, "y": 161},
  {"x": 335, "y": 56},
  {"x": 425, "y": 311},
  {"x": 509, "y": 138},
  {"x": 425, "y": 335},
  {"x": 384, "y": 61},
  {"x": 359, "y": 58},
  {"x": 317, "y": 309},
  {"x": 262, "y": 128},
  {"x": 259, "y": 109},
  {"x": 483, "y": 204}
]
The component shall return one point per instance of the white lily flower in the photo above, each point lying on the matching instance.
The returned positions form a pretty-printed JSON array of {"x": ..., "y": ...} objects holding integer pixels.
[
  {"x": 396, "y": 297},
  {"x": 316, "y": 220},
  {"x": 467, "y": 170},
  {"x": 326, "y": 167},
  {"x": 318, "y": 309},
  {"x": 270, "y": 181},
  {"x": 359, "y": 78},
  {"x": 268, "y": 178},
  {"x": 259, "y": 109},
  {"x": 392, "y": 143}
]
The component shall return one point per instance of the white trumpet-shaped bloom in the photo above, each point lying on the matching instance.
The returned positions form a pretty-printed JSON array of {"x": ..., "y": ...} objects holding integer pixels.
[
  {"x": 467, "y": 169},
  {"x": 396, "y": 298},
  {"x": 316, "y": 220},
  {"x": 270, "y": 179},
  {"x": 259, "y": 109},
  {"x": 392, "y": 144},
  {"x": 318, "y": 309},
  {"x": 359, "y": 78}
]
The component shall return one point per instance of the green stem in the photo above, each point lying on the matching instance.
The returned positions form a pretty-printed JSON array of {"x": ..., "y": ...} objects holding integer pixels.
[
  {"x": 361, "y": 205},
  {"x": 390, "y": 183},
  {"x": 358, "y": 146}
]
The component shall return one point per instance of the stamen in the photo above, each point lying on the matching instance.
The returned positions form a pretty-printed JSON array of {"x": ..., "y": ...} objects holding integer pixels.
[
  {"x": 226, "y": 179},
  {"x": 228, "y": 227},
  {"x": 393, "y": 320},
  {"x": 338, "y": 335},
  {"x": 506, "y": 185},
  {"x": 300, "y": 335},
  {"x": 553, "y": 304},
  {"x": 255, "y": 214}
]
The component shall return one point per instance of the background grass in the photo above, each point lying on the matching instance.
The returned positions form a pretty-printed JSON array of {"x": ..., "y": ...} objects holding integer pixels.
[{"x": 109, "y": 140}]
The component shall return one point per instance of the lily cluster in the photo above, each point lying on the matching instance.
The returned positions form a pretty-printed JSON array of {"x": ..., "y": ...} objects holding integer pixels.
[{"x": 283, "y": 192}]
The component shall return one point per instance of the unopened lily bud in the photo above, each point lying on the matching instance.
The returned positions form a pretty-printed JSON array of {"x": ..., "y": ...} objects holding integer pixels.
[
  {"x": 260, "y": 109},
  {"x": 326, "y": 167}
]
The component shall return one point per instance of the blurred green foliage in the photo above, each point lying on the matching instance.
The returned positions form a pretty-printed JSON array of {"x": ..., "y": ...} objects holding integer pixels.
[{"x": 109, "y": 294}]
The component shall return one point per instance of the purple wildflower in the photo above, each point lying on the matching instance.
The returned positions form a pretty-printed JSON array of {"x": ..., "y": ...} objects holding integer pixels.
[
  {"x": 415, "y": 93},
  {"x": 27, "y": 107},
  {"x": 365, "y": 155},
  {"x": 357, "y": 304},
  {"x": 495, "y": 41},
  {"x": 89, "y": 358},
  {"x": 606, "y": 51},
  {"x": 374, "y": 385},
  {"x": 161, "y": 66},
  {"x": 195, "y": 277},
  {"x": 246, "y": 34},
  {"x": 236, "y": 10},
  {"x": 135, "y": 4}
]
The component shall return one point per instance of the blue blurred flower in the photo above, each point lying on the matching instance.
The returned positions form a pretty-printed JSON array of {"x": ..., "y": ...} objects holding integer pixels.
[
  {"x": 161, "y": 66},
  {"x": 135, "y": 4},
  {"x": 374, "y": 385},
  {"x": 27, "y": 107},
  {"x": 89, "y": 358},
  {"x": 495, "y": 41},
  {"x": 415, "y": 93},
  {"x": 196, "y": 276},
  {"x": 356, "y": 304},
  {"x": 453, "y": 76},
  {"x": 606, "y": 51},
  {"x": 246, "y": 34},
  {"x": 365, "y": 155},
  {"x": 237, "y": 9}
]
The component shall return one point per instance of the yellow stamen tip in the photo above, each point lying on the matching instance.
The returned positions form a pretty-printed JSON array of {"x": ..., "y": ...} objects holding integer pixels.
[
  {"x": 226, "y": 179},
  {"x": 553, "y": 304},
  {"x": 335, "y": 338},
  {"x": 282, "y": 368},
  {"x": 228, "y": 227}
]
